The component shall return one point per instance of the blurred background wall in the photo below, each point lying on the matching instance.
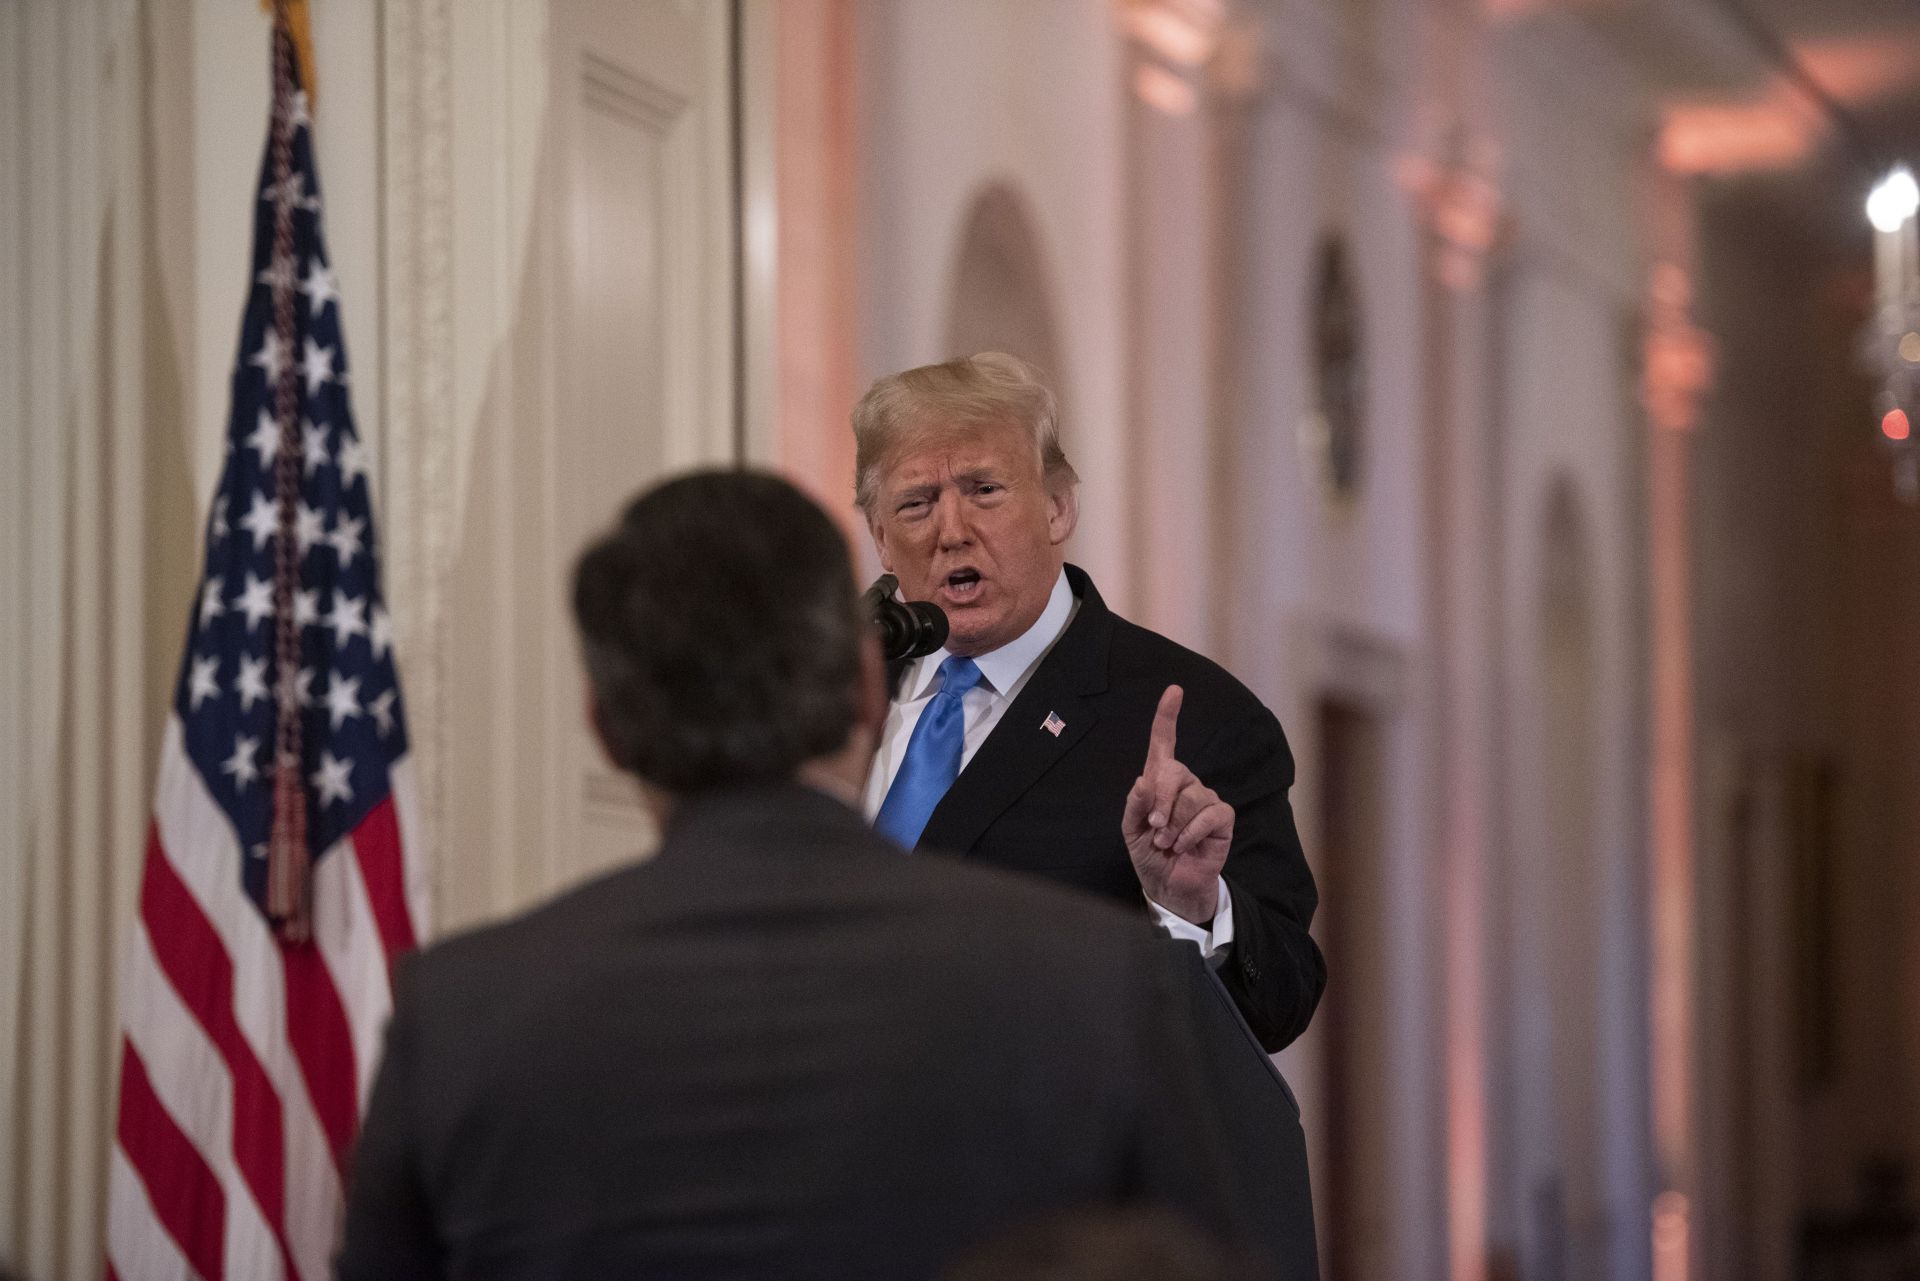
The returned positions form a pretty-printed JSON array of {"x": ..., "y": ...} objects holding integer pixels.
[{"x": 1480, "y": 380}]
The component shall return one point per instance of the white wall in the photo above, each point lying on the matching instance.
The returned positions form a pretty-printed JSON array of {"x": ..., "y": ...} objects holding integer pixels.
[
  {"x": 1577, "y": 269},
  {"x": 1320, "y": 575}
]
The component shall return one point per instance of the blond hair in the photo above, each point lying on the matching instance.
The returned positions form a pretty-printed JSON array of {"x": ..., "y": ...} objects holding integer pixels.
[{"x": 991, "y": 389}]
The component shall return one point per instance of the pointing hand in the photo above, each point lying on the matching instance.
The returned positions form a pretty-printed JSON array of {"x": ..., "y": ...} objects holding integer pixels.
[{"x": 1177, "y": 829}]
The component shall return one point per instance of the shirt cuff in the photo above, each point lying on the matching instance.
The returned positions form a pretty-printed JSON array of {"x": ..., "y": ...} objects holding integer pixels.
[{"x": 1212, "y": 939}]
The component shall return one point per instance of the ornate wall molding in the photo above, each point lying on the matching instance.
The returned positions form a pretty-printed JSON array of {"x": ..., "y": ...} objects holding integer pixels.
[{"x": 417, "y": 400}]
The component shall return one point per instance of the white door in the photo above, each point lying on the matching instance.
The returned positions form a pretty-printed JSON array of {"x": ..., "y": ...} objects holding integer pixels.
[
  {"x": 610, "y": 363},
  {"x": 645, "y": 362}
]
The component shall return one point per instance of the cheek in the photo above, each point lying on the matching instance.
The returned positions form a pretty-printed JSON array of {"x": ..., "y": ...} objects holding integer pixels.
[
  {"x": 913, "y": 542},
  {"x": 906, "y": 549},
  {"x": 1033, "y": 536}
]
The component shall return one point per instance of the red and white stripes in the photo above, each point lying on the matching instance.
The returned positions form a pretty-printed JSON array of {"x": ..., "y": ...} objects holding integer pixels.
[{"x": 246, "y": 1058}]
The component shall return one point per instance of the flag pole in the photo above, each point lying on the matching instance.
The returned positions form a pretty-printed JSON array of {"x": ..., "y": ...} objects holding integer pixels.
[{"x": 289, "y": 871}]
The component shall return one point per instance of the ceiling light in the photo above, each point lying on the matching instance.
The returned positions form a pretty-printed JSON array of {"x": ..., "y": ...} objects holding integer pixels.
[{"x": 1894, "y": 200}]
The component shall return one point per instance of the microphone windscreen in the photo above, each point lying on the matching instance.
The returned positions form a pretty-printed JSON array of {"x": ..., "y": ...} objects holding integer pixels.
[{"x": 932, "y": 632}]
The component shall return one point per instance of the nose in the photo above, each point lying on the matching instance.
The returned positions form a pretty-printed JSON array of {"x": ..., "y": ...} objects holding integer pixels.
[{"x": 951, "y": 525}]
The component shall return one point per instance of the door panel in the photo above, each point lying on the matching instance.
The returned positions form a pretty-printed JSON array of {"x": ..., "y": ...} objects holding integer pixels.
[{"x": 645, "y": 364}]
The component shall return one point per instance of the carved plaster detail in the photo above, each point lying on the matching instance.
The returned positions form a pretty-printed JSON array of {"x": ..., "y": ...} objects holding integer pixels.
[{"x": 417, "y": 245}]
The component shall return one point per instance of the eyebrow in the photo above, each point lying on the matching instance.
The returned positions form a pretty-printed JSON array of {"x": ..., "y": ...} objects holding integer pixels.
[
  {"x": 922, "y": 489},
  {"x": 969, "y": 476}
]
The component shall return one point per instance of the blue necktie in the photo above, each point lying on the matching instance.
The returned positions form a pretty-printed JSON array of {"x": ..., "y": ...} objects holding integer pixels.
[{"x": 932, "y": 761}]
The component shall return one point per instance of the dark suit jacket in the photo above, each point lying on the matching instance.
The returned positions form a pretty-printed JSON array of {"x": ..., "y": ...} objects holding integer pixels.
[
  {"x": 1035, "y": 802},
  {"x": 1265, "y": 1144},
  {"x": 779, "y": 1049}
]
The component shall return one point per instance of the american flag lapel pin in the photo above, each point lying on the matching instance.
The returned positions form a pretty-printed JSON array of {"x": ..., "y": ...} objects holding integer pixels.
[{"x": 1053, "y": 724}]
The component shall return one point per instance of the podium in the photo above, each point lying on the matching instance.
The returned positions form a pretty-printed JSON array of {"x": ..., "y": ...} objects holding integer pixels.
[{"x": 1259, "y": 1123}]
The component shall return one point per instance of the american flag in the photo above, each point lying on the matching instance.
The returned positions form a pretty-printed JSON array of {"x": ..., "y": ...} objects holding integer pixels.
[{"x": 282, "y": 871}]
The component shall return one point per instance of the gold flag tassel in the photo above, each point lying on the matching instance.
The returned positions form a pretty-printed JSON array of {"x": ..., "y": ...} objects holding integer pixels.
[
  {"x": 289, "y": 878},
  {"x": 299, "y": 24}
]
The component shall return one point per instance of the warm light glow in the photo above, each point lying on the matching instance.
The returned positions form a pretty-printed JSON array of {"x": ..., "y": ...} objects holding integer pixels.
[
  {"x": 1677, "y": 359},
  {"x": 1670, "y": 287},
  {"x": 1670, "y": 1231},
  {"x": 1910, "y": 347},
  {"x": 1465, "y": 208},
  {"x": 1893, "y": 200},
  {"x": 1895, "y": 426},
  {"x": 1779, "y": 127},
  {"x": 1164, "y": 91},
  {"x": 801, "y": 230},
  {"x": 1466, "y": 1075},
  {"x": 1184, "y": 32},
  {"x": 1670, "y": 781},
  {"x": 1862, "y": 70},
  {"x": 1772, "y": 133}
]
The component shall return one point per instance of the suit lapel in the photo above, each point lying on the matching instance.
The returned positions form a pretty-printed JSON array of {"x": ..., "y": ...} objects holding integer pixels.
[{"x": 1022, "y": 746}]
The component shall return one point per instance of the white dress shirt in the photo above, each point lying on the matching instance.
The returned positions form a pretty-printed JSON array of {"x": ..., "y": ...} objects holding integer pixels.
[{"x": 1003, "y": 674}]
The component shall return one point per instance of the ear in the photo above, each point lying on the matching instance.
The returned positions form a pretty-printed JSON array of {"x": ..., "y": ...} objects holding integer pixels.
[{"x": 1063, "y": 511}]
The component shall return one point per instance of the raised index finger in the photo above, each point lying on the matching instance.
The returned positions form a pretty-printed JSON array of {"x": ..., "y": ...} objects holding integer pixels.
[{"x": 1165, "y": 718}]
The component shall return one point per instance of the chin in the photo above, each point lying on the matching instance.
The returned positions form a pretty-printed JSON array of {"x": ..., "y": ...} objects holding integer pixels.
[
  {"x": 962, "y": 639},
  {"x": 973, "y": 641}
]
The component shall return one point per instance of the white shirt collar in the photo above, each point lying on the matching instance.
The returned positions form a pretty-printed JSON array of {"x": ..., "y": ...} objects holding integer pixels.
[{"x": 1004, "y": 667}]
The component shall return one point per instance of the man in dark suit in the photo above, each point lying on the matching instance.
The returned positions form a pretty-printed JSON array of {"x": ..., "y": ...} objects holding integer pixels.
[
  {"x": 780, "y": 1048},
  {"x": 1051, "y": 735}
]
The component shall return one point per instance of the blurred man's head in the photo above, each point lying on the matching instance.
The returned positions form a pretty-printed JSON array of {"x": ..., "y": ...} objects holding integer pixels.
[
  {"x": 722, "y": 634},
  {"x": 967, "y": 492}
]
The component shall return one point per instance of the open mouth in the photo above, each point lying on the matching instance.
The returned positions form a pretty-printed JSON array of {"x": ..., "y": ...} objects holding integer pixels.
[{"x": 962, "y": 586}]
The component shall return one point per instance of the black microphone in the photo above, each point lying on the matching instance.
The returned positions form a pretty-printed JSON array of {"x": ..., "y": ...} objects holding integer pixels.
[{"x": 908, "y": 629}]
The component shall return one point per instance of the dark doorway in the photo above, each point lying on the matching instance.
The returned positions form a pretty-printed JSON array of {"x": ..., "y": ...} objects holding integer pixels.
[{"x": 1352, "y": 1022}]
